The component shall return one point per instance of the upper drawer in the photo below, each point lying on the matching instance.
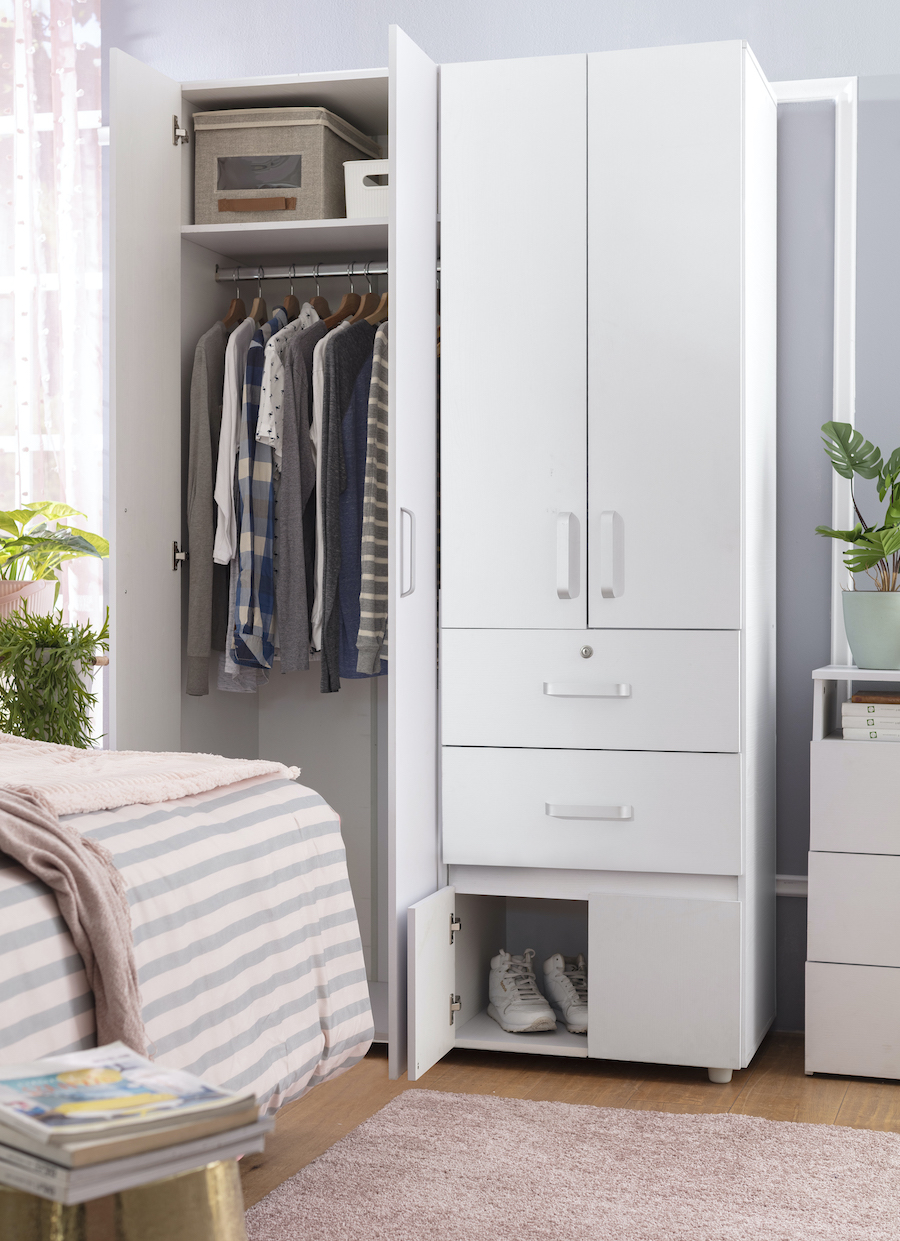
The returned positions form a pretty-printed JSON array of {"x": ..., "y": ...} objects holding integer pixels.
[
  {"x": 853, "y": 805},
  {"x": 592, "y": 810},
  {"x": 641, "y": 689}
]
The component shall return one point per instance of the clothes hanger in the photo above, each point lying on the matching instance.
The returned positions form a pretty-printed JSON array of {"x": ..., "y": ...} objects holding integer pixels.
[
  {"x": 369, "y": 303},
  {"x": 380, "y": 313},
  {"x": 318, "y": 303},
  {"x": 349, "y": 304},
  {"x": 258, "y": 309},
  {"x": 237, "y": 310},
  {"x": 291, "y": 305}
]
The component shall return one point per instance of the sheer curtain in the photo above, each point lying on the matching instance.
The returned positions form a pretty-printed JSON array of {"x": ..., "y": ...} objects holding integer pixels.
[{"x": 51, "y": 287}]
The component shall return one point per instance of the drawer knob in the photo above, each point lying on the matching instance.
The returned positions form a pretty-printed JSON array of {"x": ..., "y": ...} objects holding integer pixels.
[
  {"x": 587, "y": 652},
  {"x": 587, "y": 689},
  {"x": 617, "y": 814}
]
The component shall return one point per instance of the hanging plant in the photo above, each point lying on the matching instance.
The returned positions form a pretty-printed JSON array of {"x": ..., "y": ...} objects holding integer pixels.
[{"x": 45, "y": 678}]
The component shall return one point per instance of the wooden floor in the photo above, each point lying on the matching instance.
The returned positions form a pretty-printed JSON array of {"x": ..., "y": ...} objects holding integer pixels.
[{"x": 774, "y": 1086}]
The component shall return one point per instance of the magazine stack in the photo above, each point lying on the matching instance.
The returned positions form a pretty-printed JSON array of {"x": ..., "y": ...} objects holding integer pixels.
[
  {"x": 91, "y": 1123},
  {"x": 871, "y": 717}
]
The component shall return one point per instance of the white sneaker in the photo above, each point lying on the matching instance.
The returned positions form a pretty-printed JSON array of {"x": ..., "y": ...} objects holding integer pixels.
[
  {"x": 516, "y": 1004},
  {"x": 565, "y": 981}
]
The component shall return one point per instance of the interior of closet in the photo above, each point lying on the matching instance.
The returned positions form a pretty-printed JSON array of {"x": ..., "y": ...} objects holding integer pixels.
[{"x": 338, "y": 739}]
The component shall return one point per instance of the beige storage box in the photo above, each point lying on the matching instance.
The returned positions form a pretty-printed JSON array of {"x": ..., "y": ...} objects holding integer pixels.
[{"x": 257, "y": 164}]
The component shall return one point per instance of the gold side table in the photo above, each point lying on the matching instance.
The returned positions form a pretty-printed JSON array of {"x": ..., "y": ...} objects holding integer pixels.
[{"x": 204, "y": 1204}]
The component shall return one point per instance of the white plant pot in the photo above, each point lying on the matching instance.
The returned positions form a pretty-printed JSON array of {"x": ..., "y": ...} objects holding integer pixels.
[{"x": 37, "y": 596}]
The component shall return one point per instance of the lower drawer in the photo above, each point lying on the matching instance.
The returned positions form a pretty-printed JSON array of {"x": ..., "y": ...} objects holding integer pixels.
[
  {"x": 854, "y": 914},
  {"x": 852, "y": 1020},
  {"x": 592, "y": 810}
]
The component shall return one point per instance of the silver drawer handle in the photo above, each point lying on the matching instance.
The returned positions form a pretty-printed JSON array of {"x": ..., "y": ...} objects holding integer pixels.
[
  {"x": 617, "y": 813},
  {"x": 582, "y": 689}
]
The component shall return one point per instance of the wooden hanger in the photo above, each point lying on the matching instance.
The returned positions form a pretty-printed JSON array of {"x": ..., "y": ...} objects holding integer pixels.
[
  {"x": 291, "y": 305},
  {"x": 380, "y": 313},
  {"x": 318, "y": 303},
  {"x": 258, "y": 309},
  {"x": 349, "y": 304},
  {"x": 236, "y": 312},
  {"x": 369, "y": 303}
]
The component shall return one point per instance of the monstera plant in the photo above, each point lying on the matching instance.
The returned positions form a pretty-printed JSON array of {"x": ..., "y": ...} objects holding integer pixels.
[
  {"x": 871, "y": 617},
  {"x": 36, "y": 539}
]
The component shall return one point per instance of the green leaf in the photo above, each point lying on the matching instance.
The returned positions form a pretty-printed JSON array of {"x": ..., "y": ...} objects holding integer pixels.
[
  {"x": 11, "y": 521},
  {"x": 848, "y": 536},
  {"x": 54, "y": 510},
  {"x": 97, "y": 541},
  {"x": 850, "y": 453},
  {"x": 873, "y": 546}
]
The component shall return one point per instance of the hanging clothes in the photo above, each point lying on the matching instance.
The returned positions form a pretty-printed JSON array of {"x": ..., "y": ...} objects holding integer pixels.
[
  {"x": 255, "y": 588},
  {"x": 207, "y": 582},
  {"x": 371, "y": 639},
  {"x": 344, "y": 355},
  {"x": 295, "y": 514},
  {"x": 225, "y": 545},
  {"x": 271, "y": 401}
]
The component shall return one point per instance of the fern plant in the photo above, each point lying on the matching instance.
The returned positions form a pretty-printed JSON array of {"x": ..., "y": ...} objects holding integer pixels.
[
  {"x": 874, "y": 550},
  {"x": 45, "y": 667}
]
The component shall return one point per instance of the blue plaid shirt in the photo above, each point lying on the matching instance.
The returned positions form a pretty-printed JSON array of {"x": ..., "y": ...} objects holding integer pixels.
[{"x": 254, "y": 603}]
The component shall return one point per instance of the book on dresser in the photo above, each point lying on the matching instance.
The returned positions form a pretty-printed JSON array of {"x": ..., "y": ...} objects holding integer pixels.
[
  {"x": 871, "y": 718},
  {"x": 92, "y": 1123}
]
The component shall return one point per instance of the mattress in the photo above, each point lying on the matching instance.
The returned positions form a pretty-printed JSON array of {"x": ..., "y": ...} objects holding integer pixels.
[{"x": 245, "y": 937}]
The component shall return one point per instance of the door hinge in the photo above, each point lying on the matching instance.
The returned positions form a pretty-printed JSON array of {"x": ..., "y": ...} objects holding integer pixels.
[
  {"x": 455, "y": 1006},
  {"x": 178, "y": 556},
  {"x": 178, "y": 134},
  {"x": 455, "y": 925}
]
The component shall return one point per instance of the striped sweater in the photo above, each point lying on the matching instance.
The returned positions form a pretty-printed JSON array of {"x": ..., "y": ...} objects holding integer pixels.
[{"x": 373, "y": 597}]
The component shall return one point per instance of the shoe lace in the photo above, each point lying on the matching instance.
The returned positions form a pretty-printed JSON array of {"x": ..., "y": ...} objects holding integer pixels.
[
  {"x": 578, "y": 979},
  {"x": 522, "y": 974}
]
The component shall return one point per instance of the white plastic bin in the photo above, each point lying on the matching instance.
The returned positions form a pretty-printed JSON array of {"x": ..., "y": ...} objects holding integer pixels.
[{"x": 364, "y": 193}]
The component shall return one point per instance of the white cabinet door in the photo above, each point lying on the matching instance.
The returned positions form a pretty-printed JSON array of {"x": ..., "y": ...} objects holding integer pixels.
[
  {"x": 432, "y": 980},
  {"x": 513, "y": 367},
  {"x": 665, "y": 336},
  {"x": 665, "y": 980},
  {"x": 145, "y": 408},
  {"x": 854, "y": 917},
  {"x": 412, "y": 589},
  {"x": 852, "y": 1020}
]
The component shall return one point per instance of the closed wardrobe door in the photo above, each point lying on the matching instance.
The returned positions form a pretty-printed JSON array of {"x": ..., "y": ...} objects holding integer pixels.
[
  {"x": 513, "y": 394},
  {"x": 665, "y": 337}
]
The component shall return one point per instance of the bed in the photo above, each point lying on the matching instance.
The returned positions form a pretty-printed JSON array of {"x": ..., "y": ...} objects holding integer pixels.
[{"x": 245, "y": 937}]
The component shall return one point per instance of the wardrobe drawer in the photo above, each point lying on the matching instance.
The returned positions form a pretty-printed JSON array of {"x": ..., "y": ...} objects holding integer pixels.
[
  {"x": 852, "y": 1019},
  {"x": 592, "y": 810},
  {"x": 854, "y": 914},
  {"x": 853, "y": 806},
  {"x": 641, "y": 689}
]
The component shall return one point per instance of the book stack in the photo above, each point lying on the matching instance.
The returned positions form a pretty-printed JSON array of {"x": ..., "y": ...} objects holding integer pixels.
[
  {"x": 871, "y": 717},
  {"x": 80, "y": 1126}
]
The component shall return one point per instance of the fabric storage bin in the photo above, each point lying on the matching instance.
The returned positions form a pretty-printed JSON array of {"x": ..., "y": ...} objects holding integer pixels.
[
  {"x": 364, "y": 196},
  {"x": 257, "y": 164}
]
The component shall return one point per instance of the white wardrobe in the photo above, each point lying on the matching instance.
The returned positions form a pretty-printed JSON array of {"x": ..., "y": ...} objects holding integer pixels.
[{"x": 597, "y": 622}]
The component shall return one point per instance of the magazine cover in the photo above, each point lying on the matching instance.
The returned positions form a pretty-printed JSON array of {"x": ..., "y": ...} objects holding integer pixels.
[{"x": 105, "y": 1087}]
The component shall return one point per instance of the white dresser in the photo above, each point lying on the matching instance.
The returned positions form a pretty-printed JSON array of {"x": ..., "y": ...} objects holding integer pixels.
[
  {"x": 853, "y": 947},
  {"x": 607, "y": 549}
]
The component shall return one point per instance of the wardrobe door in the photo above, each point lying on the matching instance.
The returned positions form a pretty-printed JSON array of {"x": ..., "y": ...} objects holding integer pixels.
[
  {"x": 412, "y": 684},
  {"x": 665, "y": 336},
  {"x": 513, "y": 365},
  {"x": 145, "y": 407},
  {"x": 432, "y": 980}
]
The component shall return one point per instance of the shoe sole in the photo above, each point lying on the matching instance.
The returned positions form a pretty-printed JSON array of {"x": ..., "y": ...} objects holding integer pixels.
[
  {"x": 537, "y": 1026},
  {"x": 561, "y": 1019}
]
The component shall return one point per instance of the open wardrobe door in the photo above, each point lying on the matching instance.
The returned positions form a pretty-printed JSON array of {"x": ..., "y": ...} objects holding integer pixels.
[
  {"x": 432, "y": 980},
  {"x": 145, "y": 407},
  {"x": 412, "y": 483}
]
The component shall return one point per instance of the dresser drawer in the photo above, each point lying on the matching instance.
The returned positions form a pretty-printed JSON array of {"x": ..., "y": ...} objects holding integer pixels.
[
  {"x": 852, "y": 1020},
  {"x": 854, "y": 914},
  {"x": 592, "y": 810},
  {"x": 644, "y": 689},
  {"x": 853, "y": 797}
]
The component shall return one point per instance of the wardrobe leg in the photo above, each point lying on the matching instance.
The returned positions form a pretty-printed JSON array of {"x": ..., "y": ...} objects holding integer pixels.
[{"x": 720, "y": 1076}]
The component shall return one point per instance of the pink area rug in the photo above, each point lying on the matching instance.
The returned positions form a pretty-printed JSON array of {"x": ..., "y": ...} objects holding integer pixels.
[{"x": 474, "y": 1168}]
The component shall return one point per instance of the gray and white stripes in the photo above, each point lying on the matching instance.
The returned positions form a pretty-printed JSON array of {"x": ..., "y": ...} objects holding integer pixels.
[
  {"x": 373, "y": 597},
  {"x": 245, "y": 936}
]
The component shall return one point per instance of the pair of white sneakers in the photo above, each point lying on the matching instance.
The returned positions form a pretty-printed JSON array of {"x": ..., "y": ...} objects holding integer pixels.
[{"x": 518, "y": 1006}]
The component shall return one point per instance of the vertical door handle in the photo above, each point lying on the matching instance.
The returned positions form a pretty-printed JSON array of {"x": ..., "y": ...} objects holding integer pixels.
[
  {"x": 567, "y": 555},
  {"x": 612, "y": 555},
  {"x": 407, "y": 552}
]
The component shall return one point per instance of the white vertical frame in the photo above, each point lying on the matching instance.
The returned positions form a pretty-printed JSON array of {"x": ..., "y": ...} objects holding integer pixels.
[
  {"x": 145, "y": 408},
  {"x": 412, "y": 485},
  {"x": 844, "y": 94}
]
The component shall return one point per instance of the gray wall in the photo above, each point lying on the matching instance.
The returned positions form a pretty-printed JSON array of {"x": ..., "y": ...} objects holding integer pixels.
[{"x": 793, "y": 39}]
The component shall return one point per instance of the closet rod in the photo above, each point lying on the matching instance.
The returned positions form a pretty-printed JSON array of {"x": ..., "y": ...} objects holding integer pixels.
[{"x": 300, "y": 271}]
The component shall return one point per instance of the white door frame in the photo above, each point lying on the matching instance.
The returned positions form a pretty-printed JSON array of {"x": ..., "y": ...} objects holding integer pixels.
[{"x": 844, "y": 94}]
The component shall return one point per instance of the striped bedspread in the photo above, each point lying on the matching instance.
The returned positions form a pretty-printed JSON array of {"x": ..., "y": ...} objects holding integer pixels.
[{"x": 246, "y": 941}]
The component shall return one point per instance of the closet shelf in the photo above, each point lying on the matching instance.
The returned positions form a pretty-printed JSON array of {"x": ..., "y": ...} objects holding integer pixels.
[
  {"x": 289, "y": 239},
  {"x": 481, "y": 1033}
]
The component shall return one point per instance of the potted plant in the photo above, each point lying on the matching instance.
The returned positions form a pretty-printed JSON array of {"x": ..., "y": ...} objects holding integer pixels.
[
  {"x": 46, "y": 667},
  {"x": 34, "y": 542},
  {"x": 871, "y": 617}
]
